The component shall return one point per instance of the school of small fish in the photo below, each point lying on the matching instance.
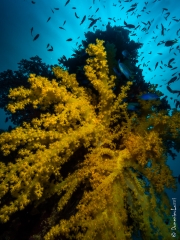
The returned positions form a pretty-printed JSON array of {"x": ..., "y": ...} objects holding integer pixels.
[{"x": 130, "y": 8}]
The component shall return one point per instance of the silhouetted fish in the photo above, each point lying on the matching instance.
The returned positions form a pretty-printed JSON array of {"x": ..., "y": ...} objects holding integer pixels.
[
  {"x": 67, "y": 2},
  {"x": 162, "y": 31},
  {"x": 48, "y": 19},
  {"x": 172, "y": 80},
  {"x": 129, "y": 25},
  {"x": 76, "y": 15},
  {"x": 169, "y": 43},
  {"x": 36, "y": 37},
  {"x": 62, "y": 28},
  {"x": 31, "y": 31},
  {"x": 84, "y": 18},
  {"x": 156, "y": 65},
  {"x": 131, "y": 9}
]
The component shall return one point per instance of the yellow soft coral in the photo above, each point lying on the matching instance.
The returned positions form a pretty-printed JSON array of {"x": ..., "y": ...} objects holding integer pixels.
[{"x": 113, "y": 156}]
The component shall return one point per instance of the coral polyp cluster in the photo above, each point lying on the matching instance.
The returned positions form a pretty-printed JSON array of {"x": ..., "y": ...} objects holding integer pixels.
[{"x": 87, "y": 146}]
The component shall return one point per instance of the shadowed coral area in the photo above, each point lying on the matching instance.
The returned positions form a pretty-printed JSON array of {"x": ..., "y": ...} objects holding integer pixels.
[{"x": 123, "y": 172}]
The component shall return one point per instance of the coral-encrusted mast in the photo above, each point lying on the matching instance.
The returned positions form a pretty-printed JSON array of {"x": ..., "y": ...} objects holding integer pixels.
[{"x": 123, "y": 172}]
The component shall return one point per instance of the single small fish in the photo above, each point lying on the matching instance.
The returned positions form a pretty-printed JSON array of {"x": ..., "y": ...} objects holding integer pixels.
[
  {"x": 156, "y": 65},
  {"x": 172, "y": 80},
  {"x": 128, "y": 25},
  {"x": 69, "y": 39},
  {"x": 47, "y": 45},
  {"x": 76, "y": 15},
  {"x": 170, "y": 43},
  {"x": 174, "y": 74},
  {"x": 177, "y": 31},
  {"x": 56, "y": 8},
  {"x": 125, "y": 70},
  {"x": 31, "y": 31},
  {"x": 177, "y": 20},
  {"x": 36, "y": 37},
  {"x": 144, "y": 23},
  {"x": 131, "y": 9},
  {"x": 162, "y": 31},
  {"x": 97, "y": 10},
  {"x": 149, "y": 96},
  {"x": 62, "y": 28},
  {"x": 48, "y": 19},
  {"x": 171, "y": 60},
  {"x": 33, "y": 2},
  {"x": 67, "y": 2},
  {"x": 64, "y": 22},
  {"x": 84, "y": 18},
  {"x": 73, "y": 7}
]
